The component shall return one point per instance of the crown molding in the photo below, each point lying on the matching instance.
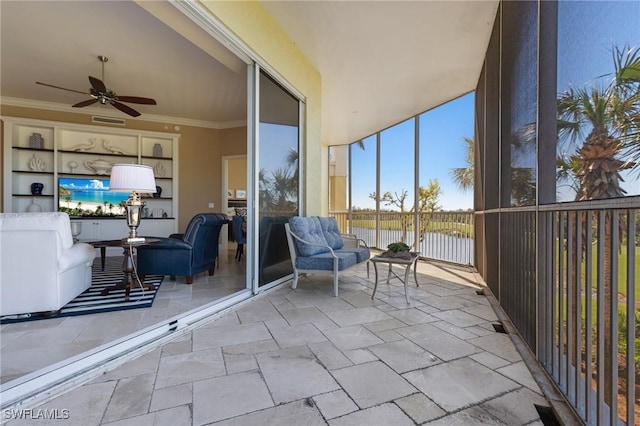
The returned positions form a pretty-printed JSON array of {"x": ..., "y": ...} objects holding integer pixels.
[{"x": 52, "y": 106}]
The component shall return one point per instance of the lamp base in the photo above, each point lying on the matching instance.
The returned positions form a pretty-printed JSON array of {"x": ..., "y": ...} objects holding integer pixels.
[{"x": 130, "y": 240}]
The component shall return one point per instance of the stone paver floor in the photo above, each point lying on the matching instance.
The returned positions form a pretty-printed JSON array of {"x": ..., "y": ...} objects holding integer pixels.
[{"x": 303, "y": 357}]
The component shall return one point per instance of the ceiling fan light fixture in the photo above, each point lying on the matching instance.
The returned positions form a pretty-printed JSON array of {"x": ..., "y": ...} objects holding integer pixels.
[{"x": 99, "y": 93}]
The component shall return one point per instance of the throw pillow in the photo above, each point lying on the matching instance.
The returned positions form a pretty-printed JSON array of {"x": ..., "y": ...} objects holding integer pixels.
[
  {"x": 331, "y": 232},
  {"x": 309, "y": 229}
]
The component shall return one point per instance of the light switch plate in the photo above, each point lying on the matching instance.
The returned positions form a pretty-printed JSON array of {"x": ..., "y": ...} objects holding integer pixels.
[{"x": 212, "y": 205}]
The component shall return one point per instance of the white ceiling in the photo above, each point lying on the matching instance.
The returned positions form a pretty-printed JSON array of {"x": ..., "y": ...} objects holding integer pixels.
[
  {"x": 380, "y": 61},
  {"x": 57, "y": 42}
]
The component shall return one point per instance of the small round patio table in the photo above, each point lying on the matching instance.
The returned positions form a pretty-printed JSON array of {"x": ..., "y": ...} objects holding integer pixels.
[{"x": 408, "y": 262}]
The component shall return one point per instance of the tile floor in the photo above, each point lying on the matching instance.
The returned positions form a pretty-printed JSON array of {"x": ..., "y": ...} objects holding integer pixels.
[
  {"x": 65, "y": 337},
  {"x": 294, "y": 357}
]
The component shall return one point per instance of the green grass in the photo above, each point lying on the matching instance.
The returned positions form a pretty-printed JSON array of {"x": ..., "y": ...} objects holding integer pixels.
[
  {"x": 433, "y": 226},
  {"x": 622, "y": 271}
]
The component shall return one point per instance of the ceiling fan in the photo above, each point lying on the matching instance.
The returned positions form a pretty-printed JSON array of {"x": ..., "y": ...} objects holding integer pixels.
[{"x": 100, "y": 93}]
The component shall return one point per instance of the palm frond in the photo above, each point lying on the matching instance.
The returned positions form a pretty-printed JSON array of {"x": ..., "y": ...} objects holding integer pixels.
[
  {"x": 627, "y": 65},
  {"x": 463, "y": 177}
]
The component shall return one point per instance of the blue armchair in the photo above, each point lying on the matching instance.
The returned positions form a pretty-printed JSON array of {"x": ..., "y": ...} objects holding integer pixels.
[{"x": 185, "y": 254}]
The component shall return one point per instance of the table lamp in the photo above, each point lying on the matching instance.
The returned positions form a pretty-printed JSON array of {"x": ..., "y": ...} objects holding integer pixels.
[{"x": 137, "y": 179}]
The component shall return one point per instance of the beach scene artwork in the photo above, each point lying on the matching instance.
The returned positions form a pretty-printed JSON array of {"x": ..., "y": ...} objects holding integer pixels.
[{"x": 89, "y": 197}]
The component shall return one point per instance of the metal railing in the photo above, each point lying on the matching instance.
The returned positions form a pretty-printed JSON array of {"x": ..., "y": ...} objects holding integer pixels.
[
  {"x": 567, "y": 280},
  {"x": 589, "y": 309},
  {"x": 444, "y": 236}
]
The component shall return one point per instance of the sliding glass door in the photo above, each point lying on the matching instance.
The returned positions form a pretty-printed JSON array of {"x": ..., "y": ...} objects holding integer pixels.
[{"x": 278, "y": 177}]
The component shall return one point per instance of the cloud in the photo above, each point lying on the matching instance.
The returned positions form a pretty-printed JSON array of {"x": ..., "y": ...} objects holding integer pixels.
[{"x": 96, "y": 184}]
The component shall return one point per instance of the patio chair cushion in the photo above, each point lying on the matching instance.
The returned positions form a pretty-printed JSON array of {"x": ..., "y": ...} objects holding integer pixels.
[
  {"x": 362, "y": 253},
  {"x": 331, "y": 232},
  {"x": 324, "y": 261},
  {"x": 309, "y": 229}
]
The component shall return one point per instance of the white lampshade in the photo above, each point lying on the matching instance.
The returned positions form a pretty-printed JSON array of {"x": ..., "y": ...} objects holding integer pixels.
[{"x": 132, "y": 177}]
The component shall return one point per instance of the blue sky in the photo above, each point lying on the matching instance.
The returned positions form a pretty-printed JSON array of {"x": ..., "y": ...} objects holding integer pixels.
[
  {"x": 442, "y": 149},
  {"x": 276, "y": 143}
]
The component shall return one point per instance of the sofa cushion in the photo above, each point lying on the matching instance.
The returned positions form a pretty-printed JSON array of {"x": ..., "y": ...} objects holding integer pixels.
[
  {"x": 331, "y": 232},
  {"x": 46, "y": 221},
  {"x": 309, "y": 229},
  {"x": 324, "y": 261},
  {"x": 362, "y": 253}
]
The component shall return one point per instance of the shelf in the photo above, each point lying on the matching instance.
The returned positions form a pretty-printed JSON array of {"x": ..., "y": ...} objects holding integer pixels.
[
  {"x": 88, "y": 148},
  {"x": 98, "y": 154},
  {"x": 146, "y": 157},
  {"x": 79, "y": 176},
  {"x": 83, "y": 175},
  {"x": 121, "y": 217},
  {"x": 32, "y": 172},
  {"x": 26, "y": 148}
]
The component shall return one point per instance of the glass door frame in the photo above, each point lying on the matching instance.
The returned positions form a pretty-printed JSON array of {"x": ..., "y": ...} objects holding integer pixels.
[{"x": 253, "y": 150}]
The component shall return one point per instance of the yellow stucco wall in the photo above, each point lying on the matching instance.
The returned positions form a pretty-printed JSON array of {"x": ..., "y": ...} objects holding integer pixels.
[{"x": 251, "y": 23}]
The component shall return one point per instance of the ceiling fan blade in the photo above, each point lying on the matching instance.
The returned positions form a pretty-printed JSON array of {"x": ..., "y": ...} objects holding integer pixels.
[
  {"x": 97, "y": 85},
  {"x": 126, "y": 109},
  {"x": 137, "y": 100},
  {"x": 85, "y": 103},
  {"x": 61, "y": 88}
]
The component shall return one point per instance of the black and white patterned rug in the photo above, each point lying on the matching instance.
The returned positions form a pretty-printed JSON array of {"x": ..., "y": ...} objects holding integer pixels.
[{"x": 92, "y": 302}]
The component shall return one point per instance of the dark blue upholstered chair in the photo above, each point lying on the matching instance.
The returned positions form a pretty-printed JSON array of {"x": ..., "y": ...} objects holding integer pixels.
[
  {"x": 239, "y": 235},
  {"x": 185, "y": 254}
]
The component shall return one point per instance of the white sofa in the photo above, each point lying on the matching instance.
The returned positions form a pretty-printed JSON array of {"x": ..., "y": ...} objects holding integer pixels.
[{"x": 41, "y": 269}]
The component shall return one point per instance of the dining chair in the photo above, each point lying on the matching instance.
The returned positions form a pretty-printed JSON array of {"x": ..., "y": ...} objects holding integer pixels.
[{"x": 239, "y": 235}]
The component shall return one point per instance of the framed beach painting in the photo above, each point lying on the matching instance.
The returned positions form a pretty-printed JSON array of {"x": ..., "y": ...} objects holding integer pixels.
[{"x": 241, "y": 193}]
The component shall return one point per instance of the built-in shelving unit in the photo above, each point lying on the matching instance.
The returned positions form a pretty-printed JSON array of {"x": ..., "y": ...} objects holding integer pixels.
[{"x": 38, "y": 151}]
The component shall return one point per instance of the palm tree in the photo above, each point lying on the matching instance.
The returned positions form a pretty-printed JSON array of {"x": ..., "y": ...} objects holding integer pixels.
[
  {"x": 463, "y": 176},
  {"x": 266, "y": 198},
  {"x": 283, "y": 185},
  {"x": 628, "y": 79},
  {"x": 610, "y": 116}
]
